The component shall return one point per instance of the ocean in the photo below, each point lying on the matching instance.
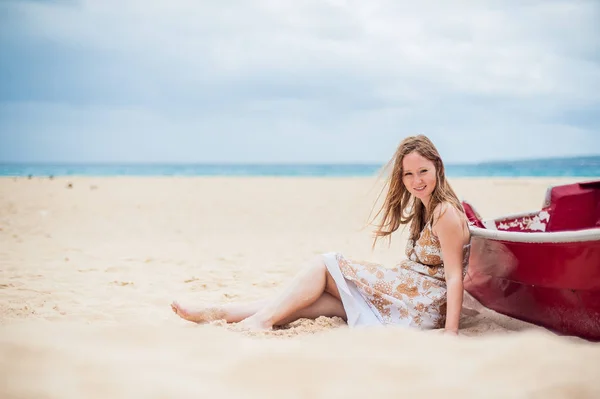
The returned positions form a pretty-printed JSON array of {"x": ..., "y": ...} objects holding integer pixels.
[{"x": 566, "y": 167}]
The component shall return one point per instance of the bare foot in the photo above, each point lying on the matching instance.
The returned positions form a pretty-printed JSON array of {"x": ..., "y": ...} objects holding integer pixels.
[
  {"x": 201, "y": 315},
  {"x": 255, "y": 323}
]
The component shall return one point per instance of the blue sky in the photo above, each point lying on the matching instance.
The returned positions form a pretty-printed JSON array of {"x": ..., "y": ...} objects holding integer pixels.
[{"x": 297, "y": 80}]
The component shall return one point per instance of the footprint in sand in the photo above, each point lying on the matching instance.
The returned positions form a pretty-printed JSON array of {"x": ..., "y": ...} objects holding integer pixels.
[
  {"x": 196, "y": 286},
  {"x": 122, "y": 283}
]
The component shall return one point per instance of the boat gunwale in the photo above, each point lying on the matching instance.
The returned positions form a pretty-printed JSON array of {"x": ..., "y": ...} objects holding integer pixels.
[{"x": 584, "y": 235}]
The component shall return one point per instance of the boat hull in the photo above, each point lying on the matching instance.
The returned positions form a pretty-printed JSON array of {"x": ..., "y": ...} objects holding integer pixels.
[{"x": 552, "y": 284}]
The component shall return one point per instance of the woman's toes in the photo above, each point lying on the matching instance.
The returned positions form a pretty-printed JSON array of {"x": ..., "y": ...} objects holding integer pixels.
[{"x": 176, "y": 308}]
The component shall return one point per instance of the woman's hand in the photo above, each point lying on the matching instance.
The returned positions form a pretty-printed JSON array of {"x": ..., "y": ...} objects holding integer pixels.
[{"x": 451, "y": 332}]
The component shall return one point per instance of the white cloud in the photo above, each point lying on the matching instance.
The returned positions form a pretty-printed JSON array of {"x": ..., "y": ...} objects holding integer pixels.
[{"x": 311, "y": 80}]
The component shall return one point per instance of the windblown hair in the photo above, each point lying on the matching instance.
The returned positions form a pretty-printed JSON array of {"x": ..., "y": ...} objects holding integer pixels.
[{"x": 400, "y": 207}]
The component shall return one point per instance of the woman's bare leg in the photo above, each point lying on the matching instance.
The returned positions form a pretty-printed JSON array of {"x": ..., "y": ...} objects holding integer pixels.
[
  {"x": 308, "y": 286},
  {"x": 327, "y": 305},
  {"x": 230, "y": 312},
  {"x": 328, "y": 302}
]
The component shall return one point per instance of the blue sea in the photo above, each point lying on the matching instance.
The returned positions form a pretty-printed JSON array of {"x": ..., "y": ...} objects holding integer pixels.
[{"x": 588, "y": 166}]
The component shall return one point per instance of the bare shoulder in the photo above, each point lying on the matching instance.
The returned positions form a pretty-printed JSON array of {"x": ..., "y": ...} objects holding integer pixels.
[{"x": 447, "y": 220}]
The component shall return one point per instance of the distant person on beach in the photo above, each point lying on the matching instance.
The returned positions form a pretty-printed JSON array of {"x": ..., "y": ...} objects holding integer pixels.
[{"x": 424, "y": 291}]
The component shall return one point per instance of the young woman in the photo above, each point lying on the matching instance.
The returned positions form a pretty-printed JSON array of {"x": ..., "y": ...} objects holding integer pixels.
[{"x": 424, "y": 291}]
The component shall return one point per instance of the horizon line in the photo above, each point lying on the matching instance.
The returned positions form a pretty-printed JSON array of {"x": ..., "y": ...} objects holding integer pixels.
[{"x": 295, "y": 163}]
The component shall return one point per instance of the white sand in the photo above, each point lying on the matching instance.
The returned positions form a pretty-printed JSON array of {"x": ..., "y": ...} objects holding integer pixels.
[{"x": 88, "y": 272}]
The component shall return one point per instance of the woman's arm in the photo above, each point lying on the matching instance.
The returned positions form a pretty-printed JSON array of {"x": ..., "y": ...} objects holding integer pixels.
[{"x": 449, "y": 230}]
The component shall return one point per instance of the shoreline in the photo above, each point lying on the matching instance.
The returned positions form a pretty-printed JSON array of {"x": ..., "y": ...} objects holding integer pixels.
[{"x": 241, "y": 177}]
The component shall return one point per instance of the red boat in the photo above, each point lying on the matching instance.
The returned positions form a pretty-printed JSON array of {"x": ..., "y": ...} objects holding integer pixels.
[{"x": 542, "y": 267}]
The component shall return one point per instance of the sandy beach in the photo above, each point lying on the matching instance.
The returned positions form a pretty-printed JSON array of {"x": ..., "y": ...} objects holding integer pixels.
[{"x": 89, "y": 267}]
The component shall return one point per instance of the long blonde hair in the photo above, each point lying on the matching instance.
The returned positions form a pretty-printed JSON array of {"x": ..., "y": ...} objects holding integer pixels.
[{"x": 400, "y": 207}]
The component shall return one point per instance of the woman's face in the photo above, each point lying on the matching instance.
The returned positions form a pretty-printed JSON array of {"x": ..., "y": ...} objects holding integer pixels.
[{"x": 419, "y": 176}]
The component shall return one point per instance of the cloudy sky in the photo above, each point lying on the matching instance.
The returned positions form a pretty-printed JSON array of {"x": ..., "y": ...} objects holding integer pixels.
[{"x": 296, "y": 80}]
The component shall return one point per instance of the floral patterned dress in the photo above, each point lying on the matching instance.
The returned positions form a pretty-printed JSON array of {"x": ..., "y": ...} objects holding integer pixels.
[{"x": 412, "y": 294}]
